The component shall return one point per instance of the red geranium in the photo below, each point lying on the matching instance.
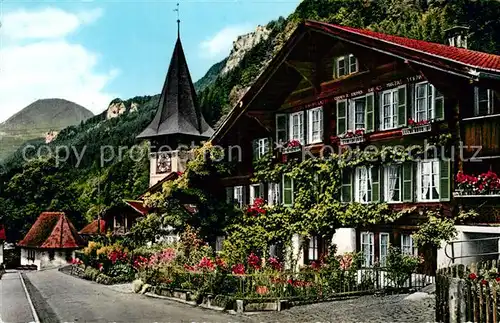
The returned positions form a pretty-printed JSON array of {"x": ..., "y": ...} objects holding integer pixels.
[
  {"x": 206, "y": 263},
  {"x": 238, "y": 269},
  {"x": 484, "y": 282},
  {"x": 254, "y": 261},
  {"x": 275, "y": 264},
  {"x": 472, "y": 276}
]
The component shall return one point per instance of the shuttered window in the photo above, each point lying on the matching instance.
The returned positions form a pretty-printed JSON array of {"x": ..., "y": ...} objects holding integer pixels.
[
  {"x": 315, "y": 125},
  {"x": 281, "y": 128},
  {"x": 341, "y": 117},
  {"x": 408, "y": 182},
  {"x": 429, "y": 103},
  {"x": 287, "y": 190},
  {"x": 297, "y": 126},
  {"x": 346, "y": 191},
  {"x": 428, "y": 187},
  {"x": 256, "y": 191},
  {"x": 367, "y": 248},
  {"x": 392, "y": 183},
  {"x": 393, "y": 108},
  {"x": 273, "y": 194}
]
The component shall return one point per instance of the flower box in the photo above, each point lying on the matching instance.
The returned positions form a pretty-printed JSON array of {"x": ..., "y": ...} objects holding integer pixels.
[
  {"x": 352, "y": 140},
  {"x": 416, "y": 129},
  {"x": 290, "y": 150}
]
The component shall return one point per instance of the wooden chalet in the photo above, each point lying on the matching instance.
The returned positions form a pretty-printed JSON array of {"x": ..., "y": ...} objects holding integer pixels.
[{"x": 341, "y": 87}]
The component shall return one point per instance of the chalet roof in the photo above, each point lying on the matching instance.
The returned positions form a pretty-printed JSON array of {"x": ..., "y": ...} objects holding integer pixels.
[
  {"x": 178, "y": 110},
  {"x": 2, "y": 233},
  {"x": 52, "y": 230},
  {"x": 459, "y": 61},
  {"x": 137, "y": 205},
  {"x": 466, "y": 57},
  {"x": 93, "y": 229}
]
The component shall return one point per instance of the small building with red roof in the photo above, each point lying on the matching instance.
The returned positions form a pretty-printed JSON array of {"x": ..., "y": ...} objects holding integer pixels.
[{"x": 50, "y": 242}]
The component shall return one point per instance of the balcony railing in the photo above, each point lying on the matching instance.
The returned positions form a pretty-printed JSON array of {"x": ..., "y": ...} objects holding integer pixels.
[
  {"x": 416, "y": 129},
  {"x": 356, "y": 139},
  {"x": 473, "y": 194}
]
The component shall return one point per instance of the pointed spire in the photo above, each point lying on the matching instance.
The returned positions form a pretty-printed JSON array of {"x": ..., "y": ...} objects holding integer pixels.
[
  {"x": 178, "y": 22},
  {"x": 178, "y": 111}
]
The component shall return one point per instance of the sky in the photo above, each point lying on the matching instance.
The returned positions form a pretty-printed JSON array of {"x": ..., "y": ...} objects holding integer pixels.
[{"x": 92, "y": 51}]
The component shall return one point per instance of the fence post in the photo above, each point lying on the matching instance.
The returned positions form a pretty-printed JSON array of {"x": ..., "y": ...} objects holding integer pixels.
[{"x": 456, "y": 301}]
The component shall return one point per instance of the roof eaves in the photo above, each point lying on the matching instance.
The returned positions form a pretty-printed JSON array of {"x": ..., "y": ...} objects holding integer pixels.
[{"x": 312, "y": 24}]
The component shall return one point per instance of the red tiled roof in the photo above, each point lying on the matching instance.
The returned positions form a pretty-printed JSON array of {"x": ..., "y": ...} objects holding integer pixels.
[
  {"x": 138, "y": 206},
  {"x": 52, "y": 230},
  {"x": 2, "y": 233},
  {"x": 93, "y": 229},
  {"x": 463, "y": 56}
]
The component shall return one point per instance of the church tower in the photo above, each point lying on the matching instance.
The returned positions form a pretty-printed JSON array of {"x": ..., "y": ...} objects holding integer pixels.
[{"x": 178, "y": 122}]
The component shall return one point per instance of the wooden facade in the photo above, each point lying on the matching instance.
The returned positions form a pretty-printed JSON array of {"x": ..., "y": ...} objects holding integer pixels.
[{"x": 304, "y": 75}]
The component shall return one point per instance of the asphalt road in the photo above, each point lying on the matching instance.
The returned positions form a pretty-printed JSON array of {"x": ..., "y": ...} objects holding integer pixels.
[
  {"x": 62, "y": 298},
  {"x": 58, "y": 297}
]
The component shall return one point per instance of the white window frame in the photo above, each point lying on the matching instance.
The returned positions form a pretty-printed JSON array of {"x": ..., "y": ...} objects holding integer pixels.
[
  {"x": 382, "y": 257},
  {"x": 283, "y": 190},
  {"x": 300, "y": 127},
  {"x": 311, "y": 138},
  {"x": 489, "y": 99},
  {"x": 367, "y": 260},
  {"x": 404, "y": 248},
  {"x": 262, "y": 147},
  {"x": 434, "y": 176},
  {"x": 238, "y": 195},
  {"x": 252, "y": 192},
  {"x": 393, "y": 108},
  {"x": 363, "y": 186},
  {"x": 313, "y": 249},
  {"x": 387, "y": 182},
  {"x": 273, "y": 194},
  {"x": 352, "y": 109},
  {"x": 356, "y": 64},
  {"x": 430, "y": 112},
  {"x": 337, "y": 66}
]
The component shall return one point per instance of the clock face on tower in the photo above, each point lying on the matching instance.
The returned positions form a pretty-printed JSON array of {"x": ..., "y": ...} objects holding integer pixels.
[{"x": 163, "y": 163}]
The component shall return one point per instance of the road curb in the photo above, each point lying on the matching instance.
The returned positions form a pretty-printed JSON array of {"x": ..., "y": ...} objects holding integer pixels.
[{"x": 33, "y": 311}]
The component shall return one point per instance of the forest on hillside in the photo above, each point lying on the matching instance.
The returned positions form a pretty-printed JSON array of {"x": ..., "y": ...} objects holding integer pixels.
[{"x": 28, "y": 188}]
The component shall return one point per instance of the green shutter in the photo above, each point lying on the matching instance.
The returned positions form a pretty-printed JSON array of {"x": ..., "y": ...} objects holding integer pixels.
[
  {"x": 287, "y": 190},
  {"x": 375, "y": 183},
  {"x": 402, "y": 117},
  {"x": 407, "y": 182},
  {"x": 438, "y": 105},
  {"x": 346, "y": 186},
  {"x": 255, "y": 148},
  {"x": 341, "y": 117},
  {"x": 370, "y": 113},
  {"x": 444, "y": 180}
]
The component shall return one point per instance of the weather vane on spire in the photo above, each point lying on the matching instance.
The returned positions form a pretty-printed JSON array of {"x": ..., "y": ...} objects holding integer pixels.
[{"x": 178, "y": 20}]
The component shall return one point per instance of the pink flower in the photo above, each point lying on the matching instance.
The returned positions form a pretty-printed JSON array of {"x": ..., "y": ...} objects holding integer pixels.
[
  {"x": 254, "y": 261},
  {"x": 275, "y": 264},
  {"x": 206, "y": 263},
  {"x": 238, "y": 269}
]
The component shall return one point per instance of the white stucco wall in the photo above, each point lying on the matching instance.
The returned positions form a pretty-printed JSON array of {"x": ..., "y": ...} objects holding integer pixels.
[
  {"x": 467, "y": 233},
  {"x": 345, "y": 239},
  {"x": 295, "y": 256},
  {"x": 42, "y": 260}
]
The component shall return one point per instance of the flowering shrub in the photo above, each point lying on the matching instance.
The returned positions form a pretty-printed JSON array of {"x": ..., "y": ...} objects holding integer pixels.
[
  {"x": 357, "y": 132},
  {"x": 238, "y": 269},
  {"x": 206, "y": 264},
  {"x": 292, "y": 144},
  {"x": 484, "y": 183},
  {"x": 254, "y": 261},
  {"x": 275, "y": 264},
  {"x": 257, "y": 208},
  {"x": 413, "y": 123}
]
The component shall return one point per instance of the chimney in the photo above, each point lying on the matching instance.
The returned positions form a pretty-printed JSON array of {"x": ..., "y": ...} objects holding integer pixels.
[{"x": 457, "y": 36}]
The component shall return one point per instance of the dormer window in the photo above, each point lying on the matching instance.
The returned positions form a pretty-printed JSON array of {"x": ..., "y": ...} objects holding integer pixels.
[
  {"x": 484, "y": 101},
  {"x": 345, "y": 65}
]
